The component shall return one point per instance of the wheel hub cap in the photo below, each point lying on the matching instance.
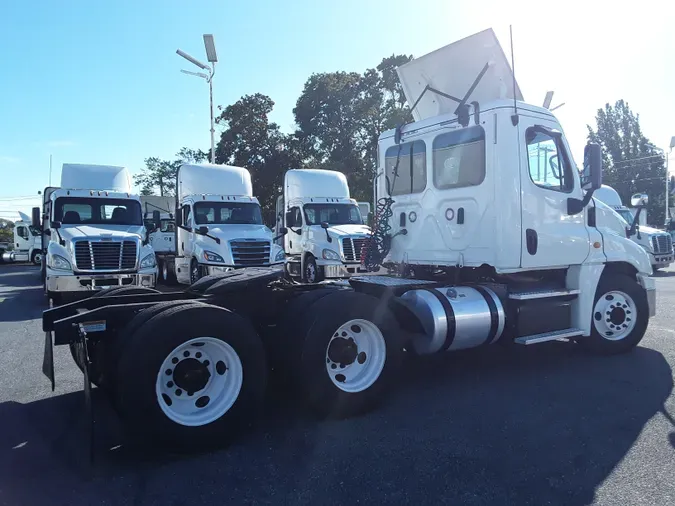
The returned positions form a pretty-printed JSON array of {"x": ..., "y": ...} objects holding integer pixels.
[
  {"x": 614, "y": 315},
  {"x": 343, "y": 351},
  {"x": 191, "y": 375}
]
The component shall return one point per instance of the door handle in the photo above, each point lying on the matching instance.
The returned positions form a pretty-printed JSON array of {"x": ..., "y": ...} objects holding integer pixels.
[{"x": 531, "y": 241}]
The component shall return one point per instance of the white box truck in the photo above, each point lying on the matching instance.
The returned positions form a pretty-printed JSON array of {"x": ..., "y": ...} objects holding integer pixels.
[
  {"x": 27, "y": 246},
  {"x": 219, "y": 223},
  {"x": 325, "y": 228},
  {"x": 92, "y": 227},
  {"x": 506, "y": 257},
  {"x": 657, "y": 243}
]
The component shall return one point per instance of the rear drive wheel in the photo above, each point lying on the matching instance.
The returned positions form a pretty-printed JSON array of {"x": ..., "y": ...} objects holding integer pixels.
[
  {"x": 620, "y": 316},
  {"x": 351, "y": 353},
  {"x": 98, "y": 349},
  {"x": 192, "y": 377}
]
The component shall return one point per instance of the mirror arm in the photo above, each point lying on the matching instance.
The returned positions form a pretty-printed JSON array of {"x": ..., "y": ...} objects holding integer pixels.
[
  {"x": 575, "y": 206},
  {"x": 634, "y": 226}
]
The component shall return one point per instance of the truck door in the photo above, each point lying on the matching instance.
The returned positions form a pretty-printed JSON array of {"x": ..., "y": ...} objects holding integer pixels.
[
  {"x": 551, "y": 237},
  {"x": 22, "y": 238},
  {"x": 279, "y": 220},
  {"x": 185, "y": 233}
]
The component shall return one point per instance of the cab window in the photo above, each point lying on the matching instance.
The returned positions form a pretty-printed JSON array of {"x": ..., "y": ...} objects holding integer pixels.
[
  {"x": 547, "y": 161},
  {"x": 459, "y": 158},
  {"x": 406, "y": 168},
  {"x": 22, "y": 232}
]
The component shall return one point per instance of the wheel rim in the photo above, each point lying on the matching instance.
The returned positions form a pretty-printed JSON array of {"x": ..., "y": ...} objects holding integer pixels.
[
  {"x": 311, "y": 272},
  {"x": 199, "y": 381},
  {"x": 165, "y": 272},
  {"x": 38, "y": 258},
  {"x": 614, "y": 315},
  {"x": 195, "y": 273},
  {"x": 355, "y": 356}
]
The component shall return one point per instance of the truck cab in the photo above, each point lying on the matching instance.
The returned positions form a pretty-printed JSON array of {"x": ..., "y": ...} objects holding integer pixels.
[
  {"x": 219, "y": 224},
  {"x": 657, "y": 243},
  {"x": 325, "y": 228},
  {"x": 93, "y": 230},
  {"x": 27, "y": 241}
]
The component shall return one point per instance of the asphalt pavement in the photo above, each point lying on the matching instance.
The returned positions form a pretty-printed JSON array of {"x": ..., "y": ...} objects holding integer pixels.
[{"x": 547, "y": 424}]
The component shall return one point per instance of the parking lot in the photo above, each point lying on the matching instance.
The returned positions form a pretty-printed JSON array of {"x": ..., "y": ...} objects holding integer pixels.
[{"x": 541, "y": 425}]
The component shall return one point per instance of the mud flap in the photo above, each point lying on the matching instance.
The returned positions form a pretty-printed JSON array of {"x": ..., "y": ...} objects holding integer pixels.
[
  {"x": 48, "y": 360},
  {"x": 83, "y": 355}
]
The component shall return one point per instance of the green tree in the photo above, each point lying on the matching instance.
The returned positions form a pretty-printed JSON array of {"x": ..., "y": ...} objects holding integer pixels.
[
  {"x": 6, "y": 231},
  {"x": 631, "y": 163},
  {"x": 340, "y": 116},
  {"x": 159, "y": 176},
  {"x": 251, "y": 141}
]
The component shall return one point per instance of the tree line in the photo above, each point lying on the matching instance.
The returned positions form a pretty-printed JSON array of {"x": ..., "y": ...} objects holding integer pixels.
[{"x": 338, "y": 119}]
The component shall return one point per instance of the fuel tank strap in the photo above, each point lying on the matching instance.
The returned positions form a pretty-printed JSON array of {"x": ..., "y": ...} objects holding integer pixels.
[
  {"x": 494, "y": 313},
  {"x": 450, "y": 315}
]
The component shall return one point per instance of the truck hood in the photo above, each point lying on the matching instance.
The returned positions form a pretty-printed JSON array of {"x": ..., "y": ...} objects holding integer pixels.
[
  {"x": 70, "y": 232},
  {"x": 229, "y": 232},
  {"x": 339, "y": 231},
  {"x": 651, "y": 230}
]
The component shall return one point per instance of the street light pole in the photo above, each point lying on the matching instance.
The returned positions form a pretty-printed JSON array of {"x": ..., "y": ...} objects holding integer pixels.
[{"x": 210, "y": 47}]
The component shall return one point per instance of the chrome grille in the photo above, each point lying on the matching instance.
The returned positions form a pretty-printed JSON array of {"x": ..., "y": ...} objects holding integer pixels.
[
  {"x": 662, "y": 243},
  {"x": 250, "y": 252},
  {"x": 351, "y": 247},
  {"x": 105, "y": 255}
]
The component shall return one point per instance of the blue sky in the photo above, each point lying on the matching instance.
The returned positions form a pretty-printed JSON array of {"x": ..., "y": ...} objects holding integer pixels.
[{"x": 99, "y": 82}]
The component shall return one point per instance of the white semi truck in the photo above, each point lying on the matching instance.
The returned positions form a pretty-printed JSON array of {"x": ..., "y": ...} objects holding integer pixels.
[
  {"x": 159, "y": 219},
  {"x": 326, "y": 231},
  {"x": 92, "y": 227},
  {"x": 657, "y": 243},
  {"x": 219, "y": 224},
  {"x": 499, "y": 253},
  {"x": 27, "y": 246}
]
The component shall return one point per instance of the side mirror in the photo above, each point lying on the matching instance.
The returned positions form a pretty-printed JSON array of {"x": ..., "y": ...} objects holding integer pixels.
[
  {"x": 290, "y": 221},
  {"x": 179, "y": 219},
  {"x": 202, "y": 230},
  {"x": 56, "y": 224},
  {"x": 592, "y": 167},
  {"x": 283, "y": 231},
  {"x": 639, "y": 200},
  {"x": 156, "y": 219},
  {"x": 35, "y": 217},
  {"x": 324, "y": 224}
]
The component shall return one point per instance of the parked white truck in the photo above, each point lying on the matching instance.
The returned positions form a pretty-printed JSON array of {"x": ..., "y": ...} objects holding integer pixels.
[
  {"x": 93, "y": 230},
  {"x": 27, "y": 246},
  {"x": 326, "y": 231},
  {"x": 501, "y": 254},
  {"x": 657, "y": 243},
  {"x": 219, "y": 224},
  {"x": 159, "y": 219}
]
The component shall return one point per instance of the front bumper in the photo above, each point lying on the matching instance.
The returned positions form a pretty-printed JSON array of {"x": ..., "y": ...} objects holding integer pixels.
[
  {"x": 649, "y": 285},
  {"x": 92, "y": 282},
  {"x": 342, "y": 270},
  {"x": 219, "y": 269},
  {"x": 661, "y": 260}
]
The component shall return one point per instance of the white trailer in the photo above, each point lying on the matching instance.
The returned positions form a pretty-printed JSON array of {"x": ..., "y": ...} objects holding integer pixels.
[
  {"x": 219, "y": 223},
  {"x": 657, "y": 243},
  {"x": 325, "y": 229},
  {"x": 92, "y": 227},
  {"x": 482, "y": 249}
]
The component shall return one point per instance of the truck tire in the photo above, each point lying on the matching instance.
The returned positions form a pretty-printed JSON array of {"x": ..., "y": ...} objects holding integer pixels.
[
  {"x": 351, "y": 353},
  {"x": 195, "y": 271},
  {"x": 36, "y": 258},
  {"x": 620, "y": 316},
  {"x": 311, "y": 273},
  {"x": 99, "y": 351},
  {"x": 160, "y": 271},
  {"x": 181, "y": 382}
]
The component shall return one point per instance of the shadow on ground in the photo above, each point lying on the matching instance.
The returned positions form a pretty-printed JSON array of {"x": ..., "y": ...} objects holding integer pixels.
[{"x": 517, "y": 426}]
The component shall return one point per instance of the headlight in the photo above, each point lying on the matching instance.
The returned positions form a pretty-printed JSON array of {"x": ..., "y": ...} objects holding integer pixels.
[
  {"x": 59, "y": 263},
  {"x": 148, "y": 261},
  {"x": 280, "y": 256},
  {"x": 329, "y": 254},
  {"x": 210, "y": 256}
]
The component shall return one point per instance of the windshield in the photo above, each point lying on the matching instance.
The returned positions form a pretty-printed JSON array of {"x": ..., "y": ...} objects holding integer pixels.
[
  {"x": 95, "y": 211},
  {"x": 626, "y": 215},
  {"x": 333, "y": 214},
  {"x": 228, "y": 213}
]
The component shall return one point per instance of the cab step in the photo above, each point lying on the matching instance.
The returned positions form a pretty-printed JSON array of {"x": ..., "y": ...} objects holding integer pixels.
[
  {"x": 542, "y": 294},
  {"x": 556, "y": 335}
]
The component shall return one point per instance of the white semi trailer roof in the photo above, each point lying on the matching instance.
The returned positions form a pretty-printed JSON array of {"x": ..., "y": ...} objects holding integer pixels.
[
  {"x": 315, "y": 183},
  {"x": 212, "y": 179},
  {"x": 78, "y": 176}
]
